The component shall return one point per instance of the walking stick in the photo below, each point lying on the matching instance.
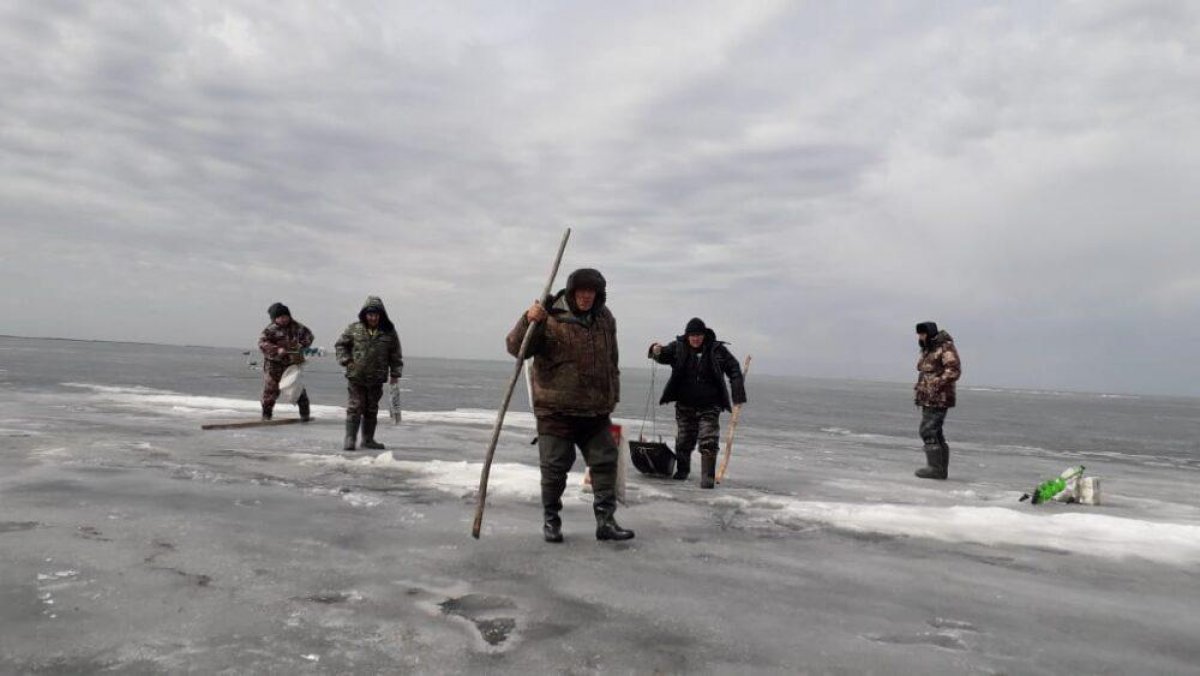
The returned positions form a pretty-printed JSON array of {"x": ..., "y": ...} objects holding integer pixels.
[
  {"x": 487, "y": 461},
  {"x": 733, "y": 421}
]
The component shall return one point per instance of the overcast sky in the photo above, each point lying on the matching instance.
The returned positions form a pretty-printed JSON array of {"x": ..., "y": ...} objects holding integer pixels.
[{"x": 811, "y": 178}]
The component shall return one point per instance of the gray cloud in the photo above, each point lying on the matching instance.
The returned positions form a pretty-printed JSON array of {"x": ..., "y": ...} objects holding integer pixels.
[{"x": 812, "y": 180}]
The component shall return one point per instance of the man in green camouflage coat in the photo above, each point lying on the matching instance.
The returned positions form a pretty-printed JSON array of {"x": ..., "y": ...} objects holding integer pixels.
[
  {"x": 576, "y": 384},
  {"x": 938, "y": 370},
  {"x": 282, "y": 343},
  {"x": 369, "y": 349}
]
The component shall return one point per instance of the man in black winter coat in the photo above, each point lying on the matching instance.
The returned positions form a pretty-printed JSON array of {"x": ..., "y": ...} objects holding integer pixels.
[{"x": 699, "y": 366}]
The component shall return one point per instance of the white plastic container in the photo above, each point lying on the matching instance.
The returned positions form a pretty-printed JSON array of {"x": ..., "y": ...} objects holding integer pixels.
[
  {"x": 1089, "y": 490},
  {"x": 291, "y": 385}
]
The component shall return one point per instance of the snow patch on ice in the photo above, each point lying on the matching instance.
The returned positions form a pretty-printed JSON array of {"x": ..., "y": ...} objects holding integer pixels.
[
  {"x": 506, "y": 479},
  {"x": 1080, "y": 533},
  {"x": 175, "y": 403},
  {"x": 461, "y": 478},
  {"x": 471, "y": 416}
]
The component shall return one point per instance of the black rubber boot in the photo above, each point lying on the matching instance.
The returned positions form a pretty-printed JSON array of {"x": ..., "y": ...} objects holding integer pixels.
[
  {"x": 933, "y": 468},
  {"x": 302, "y": 403},
  {"x": 266, "y": 411},
  {"x": 352, "y": 423},
  {"x": 552, "y": 529},
  {"x": 608, "y": 529},
  {"x": 683, "y": 466},
  {"x": 708, "y": 470},
  {"x": 552, "y": 490},
  {"x": 944, "y": 460},
  {"x": 368, "y": 430}
]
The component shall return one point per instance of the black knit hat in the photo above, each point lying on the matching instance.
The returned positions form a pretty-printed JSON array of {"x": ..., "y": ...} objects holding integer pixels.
[
  {"x": 278, "y": 310},
  {"x": 695, "y": 327}
]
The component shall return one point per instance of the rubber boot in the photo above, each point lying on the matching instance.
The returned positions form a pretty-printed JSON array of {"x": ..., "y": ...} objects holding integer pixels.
[
  {"x": 368, "y": 430},
  {"x": 932, "y": 469},
  {"x": 944, "y": 460},
  {"x": 607, "y": 527},
  {"x": 708, "y": 470},
  {"x": 302, "y": 403},
  {"x": 552, "y": 525},
  {"x": 267, "y": 410},
  {"x": 683, "y": 466},
  {"x": 352, "y": 423},
  {"x": 552, "y": 491}
]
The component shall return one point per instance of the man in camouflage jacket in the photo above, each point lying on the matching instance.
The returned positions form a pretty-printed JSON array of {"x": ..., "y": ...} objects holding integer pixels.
[
  {"x": 699, "y": 366},
  {"x": 576, "y": 384},
  {"x": 282, "y": 343},
  {"x": 938, "y": 370},
  {"x": 369, "y": 349}
]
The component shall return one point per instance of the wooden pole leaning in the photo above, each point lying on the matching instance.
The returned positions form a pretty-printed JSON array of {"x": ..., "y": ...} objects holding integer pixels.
[
  {"x": 733, "y": 423},
  {"x": 512, "y": 383}
]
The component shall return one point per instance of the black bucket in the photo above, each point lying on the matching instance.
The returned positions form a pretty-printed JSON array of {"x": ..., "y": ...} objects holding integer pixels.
[{"x": 652, "y": 457}]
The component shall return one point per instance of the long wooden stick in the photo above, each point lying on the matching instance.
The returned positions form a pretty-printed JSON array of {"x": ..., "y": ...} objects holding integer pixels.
[
  {"x": 733, "y": 422},
  {"x": 487, "y": 461}
]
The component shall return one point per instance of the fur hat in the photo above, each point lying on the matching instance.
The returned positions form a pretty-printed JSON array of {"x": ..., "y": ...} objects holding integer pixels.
[{"x": 278, "y": 310}]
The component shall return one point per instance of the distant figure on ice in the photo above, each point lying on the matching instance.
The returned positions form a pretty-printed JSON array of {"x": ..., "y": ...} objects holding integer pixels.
[
  {"x": 699, "y": 366},
  {"x": 282, "y": 344},
  {"x": 370, "y": 351},
  {"x": 937, "y": 371},
  {"x": 576, "y": 385}
]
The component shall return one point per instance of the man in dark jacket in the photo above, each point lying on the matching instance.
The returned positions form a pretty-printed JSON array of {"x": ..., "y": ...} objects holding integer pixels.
[
  {"x": 699, "y": 366},
  {"x": 938, "y": 369},
  {"x": 370, "y": 351},
  {"x": 282, "y": 343},
  {"x": 576, "y": 384}
]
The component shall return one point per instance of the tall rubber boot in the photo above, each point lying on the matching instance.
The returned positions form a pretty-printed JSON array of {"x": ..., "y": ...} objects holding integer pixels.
[
  {"x": 266, "y": 411},
  {"x": 932, "y": 469},
  {"x": 683, "y": 466},
  {"x": 368, "y": 430},
  {"x": 708, "y": 470},
  {"x": 302, "y": 404},
  {"x": 944, "y": 460},
  {"x": 352, "y": 423},
  {"x": 551, "y": 506},
  {"x": 607, "y": 527}
]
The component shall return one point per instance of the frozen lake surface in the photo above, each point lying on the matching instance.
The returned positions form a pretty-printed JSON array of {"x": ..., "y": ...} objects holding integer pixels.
[{"x": 133, "y": 542}]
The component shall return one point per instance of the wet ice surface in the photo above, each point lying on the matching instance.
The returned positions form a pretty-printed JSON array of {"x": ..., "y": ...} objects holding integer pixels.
[{"x": 132, "y": 541}]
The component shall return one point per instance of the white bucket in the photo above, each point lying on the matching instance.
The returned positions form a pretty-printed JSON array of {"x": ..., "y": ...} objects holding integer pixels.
[{"x": 1089, "y": 490}]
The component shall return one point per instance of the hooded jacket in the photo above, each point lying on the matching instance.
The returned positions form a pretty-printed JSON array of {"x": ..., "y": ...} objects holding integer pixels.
[
  {"x": 575, "y": 359},
  {"x": 370, "y": 356},
  {"x": 714, "y": 357},
  {"x": 938, "y": 369}
]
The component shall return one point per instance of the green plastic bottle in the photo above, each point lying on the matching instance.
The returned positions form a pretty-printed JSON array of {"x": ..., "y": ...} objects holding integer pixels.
[{"x": 1052, "y": 487}]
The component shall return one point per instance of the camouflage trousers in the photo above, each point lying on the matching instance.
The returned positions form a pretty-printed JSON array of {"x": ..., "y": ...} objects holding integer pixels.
[
  {"x": 932, "y": 420},
  {"x": 272, "y": 372},
  {"x": 364, "y": 399},
  {"x": 696, "y": 424}
]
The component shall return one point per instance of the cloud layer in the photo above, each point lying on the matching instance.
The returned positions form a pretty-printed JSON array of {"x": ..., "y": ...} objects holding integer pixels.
[{"x": 810, "y": 178}]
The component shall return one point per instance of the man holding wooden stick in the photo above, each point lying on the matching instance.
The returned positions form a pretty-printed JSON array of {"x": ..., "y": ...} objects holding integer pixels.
[
  {"x": 576, "y": 385},
  {"x": 699, "y": 366}
]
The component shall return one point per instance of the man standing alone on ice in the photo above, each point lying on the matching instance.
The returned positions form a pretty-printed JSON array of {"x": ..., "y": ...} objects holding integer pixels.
[
  {"x": 937, "y": 371},
  {"x": 369, "y": 349},
  {"x": 576, "y": 385},
  {"x": 699, "y": 365},
  {"x": 282, "y": 343}
]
